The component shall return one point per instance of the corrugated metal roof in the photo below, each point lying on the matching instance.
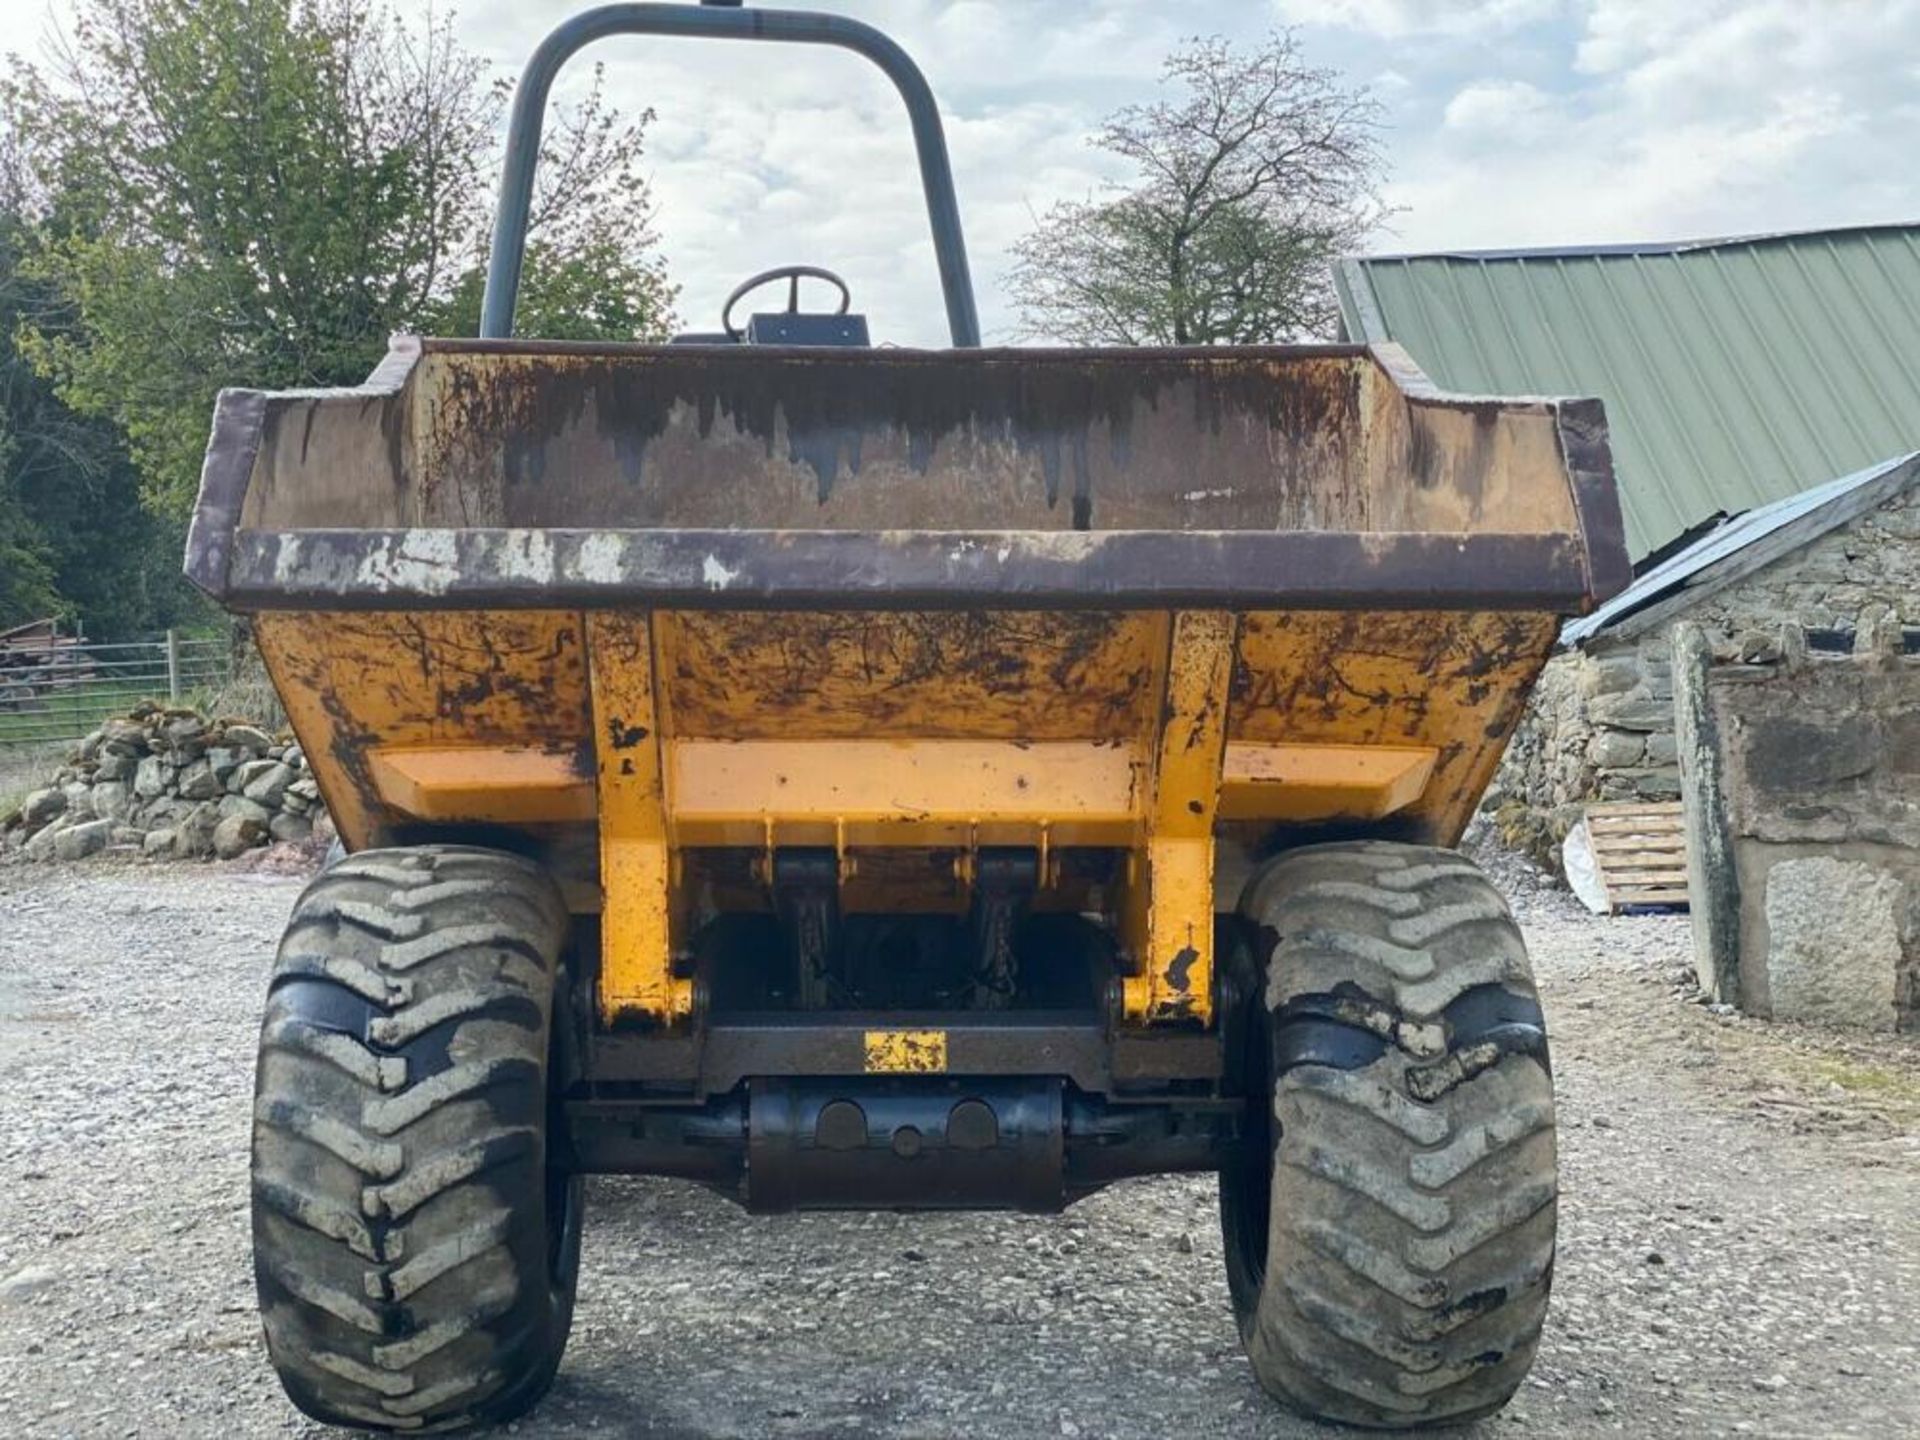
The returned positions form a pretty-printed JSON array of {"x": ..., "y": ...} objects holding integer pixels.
[
  {"x": 1810, "y": 514},
  {"x": 1735, "y": 372}
]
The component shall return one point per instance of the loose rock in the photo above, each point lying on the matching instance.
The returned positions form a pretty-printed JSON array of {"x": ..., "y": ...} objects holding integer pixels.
[
  {"x": 241, "y": 806},
  {"x": 76, "y": 842},
  {"x": 26, "y": 1282},
  {"x": 114, "y": 766},
  {"x": 153, "y": 777},
  {"x": 199, "y": 782},
  {"x": 111, "y": 800},
  {"x": 174, "y": 773},
  {"x": 249, "y": 738},
  {"x": 236, "y": 834},
  {"x": 268, "y": 786},
  {"x": 129, "y": 1012},
  {"x": 247, "y": 772}
]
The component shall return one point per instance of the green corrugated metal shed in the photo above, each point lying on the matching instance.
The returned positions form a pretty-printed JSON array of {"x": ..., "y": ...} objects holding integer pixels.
[{"x": 1735, "y": 372}]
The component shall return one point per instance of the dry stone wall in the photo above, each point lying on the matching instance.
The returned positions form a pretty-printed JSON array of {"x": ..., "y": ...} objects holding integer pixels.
[
  {"x": 1601, "y": 725},
  {"x": 171, "y": 783}
]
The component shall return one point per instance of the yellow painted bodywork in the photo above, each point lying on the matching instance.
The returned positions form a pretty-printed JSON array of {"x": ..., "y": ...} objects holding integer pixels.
[
  {"x": 506, "y": 784},
  {"x": 1320, "y": 782},
  {"x": 1166, "y": 921},
  {"x": 637, "y": 921},
  {"x": 637, "y": 750},
  {"x": 905, "y": 1052}
]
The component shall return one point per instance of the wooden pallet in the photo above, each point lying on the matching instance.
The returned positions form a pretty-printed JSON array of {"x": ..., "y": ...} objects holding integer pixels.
[{"x": 1640, "y": 851}]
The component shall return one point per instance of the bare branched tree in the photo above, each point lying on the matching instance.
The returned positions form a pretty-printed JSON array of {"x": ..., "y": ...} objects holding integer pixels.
[{"x": 1251, "y": 176}]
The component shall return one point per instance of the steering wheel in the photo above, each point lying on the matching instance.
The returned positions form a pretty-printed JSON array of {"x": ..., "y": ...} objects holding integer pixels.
[{"x": 793, "y": 275}]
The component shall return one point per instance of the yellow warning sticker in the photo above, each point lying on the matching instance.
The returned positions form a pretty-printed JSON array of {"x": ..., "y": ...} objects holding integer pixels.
[{"x": 906, "y": 1052}]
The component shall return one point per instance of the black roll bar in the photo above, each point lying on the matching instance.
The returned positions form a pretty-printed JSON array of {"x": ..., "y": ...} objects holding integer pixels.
[{"x": 720, "y": 21}]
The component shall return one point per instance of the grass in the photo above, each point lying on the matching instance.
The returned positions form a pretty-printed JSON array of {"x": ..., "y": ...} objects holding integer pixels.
[
  {"x": 34, "y": 743},
  {"x": 1874, "y": 1080},
  {"x": 246, "y": 694},
  {"x": 1876, "y": 1073},
  {"x": 66, "y": 717},
  {"x": 63, "y": 716},
  {"x": 26, "y": 768}
]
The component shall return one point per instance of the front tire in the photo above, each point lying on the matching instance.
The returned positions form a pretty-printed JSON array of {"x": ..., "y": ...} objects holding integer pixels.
[
  {"x": 1390, "y": 1232},
  {"x": 415, "y": 1248}
]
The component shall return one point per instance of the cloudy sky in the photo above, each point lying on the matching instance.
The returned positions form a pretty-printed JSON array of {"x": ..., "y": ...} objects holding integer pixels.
[{"x": 1511, "y": 122}]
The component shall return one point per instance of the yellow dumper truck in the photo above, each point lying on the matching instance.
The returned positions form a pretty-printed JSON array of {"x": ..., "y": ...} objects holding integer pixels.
[{"x": 878, "y": 778}]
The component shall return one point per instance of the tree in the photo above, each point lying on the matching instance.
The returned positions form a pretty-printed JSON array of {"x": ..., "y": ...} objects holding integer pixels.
[
  {"x": 75, "y": 540},
  {"x": 257, "y": 192},
  {"x": 1255, "y": 174},
  {"x": 27, "y": 588}
]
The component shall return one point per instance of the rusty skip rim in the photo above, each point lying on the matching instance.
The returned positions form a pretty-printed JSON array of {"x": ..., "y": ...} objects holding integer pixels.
[
  {"x": 836, "y": 569},
  {"x": 1566, "y": 574},
  {"x": 917, "y": 355}
]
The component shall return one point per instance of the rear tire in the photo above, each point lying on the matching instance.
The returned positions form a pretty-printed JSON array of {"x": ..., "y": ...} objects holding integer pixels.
[
  {"x": 1390, "y": 1237},
  {"x": 415, "y": 1250}
]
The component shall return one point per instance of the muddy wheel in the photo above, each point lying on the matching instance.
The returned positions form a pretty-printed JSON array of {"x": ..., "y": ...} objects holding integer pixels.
[
  {"x": 1389, "y": 1234},
  {"x": 414, "y": 1249}
]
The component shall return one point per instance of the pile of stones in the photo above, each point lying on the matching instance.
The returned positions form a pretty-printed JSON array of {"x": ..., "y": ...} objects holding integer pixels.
[{"x": 175, "y": 784}]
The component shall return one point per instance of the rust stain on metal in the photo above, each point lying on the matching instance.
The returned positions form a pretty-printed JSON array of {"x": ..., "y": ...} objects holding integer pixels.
[
  {"x": 1452, "y": 681},
  {"x": 567, "y": 476},
  {"x": 983, "y": 674},
  {"x": 622, "y": 736},
  {"x": 690, "y": 439},
  {"x": 351, "y": 681}
]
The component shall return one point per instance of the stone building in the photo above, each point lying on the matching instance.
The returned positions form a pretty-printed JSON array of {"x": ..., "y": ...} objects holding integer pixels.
[
  {"x": 1801, "y": 771},
  {"x": 1739, "y": 377},
  {"x": 1831, "y": 561}
]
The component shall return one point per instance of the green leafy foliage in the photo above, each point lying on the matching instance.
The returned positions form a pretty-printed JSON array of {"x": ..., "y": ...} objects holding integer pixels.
[
  {"x": 1251, "y": 175},
  {"x": 26, "y": 579},
  {"x": 586, "y": 291},
  {"x": 75, "y": 540},
  {"x": 257, "y": 192}
]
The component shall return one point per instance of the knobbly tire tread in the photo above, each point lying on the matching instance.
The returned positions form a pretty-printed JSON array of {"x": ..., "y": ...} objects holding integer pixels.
[
  {"x": 412, "y": 1272},
  {"x": 1391, "y": 1268}
]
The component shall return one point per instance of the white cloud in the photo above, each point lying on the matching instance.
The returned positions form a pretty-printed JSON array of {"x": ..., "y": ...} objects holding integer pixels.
[
  {"x": 1399, "y": 19},
  {"x": 1718, "y": 56},
  {"x": 1502, "y": 109},
  {"x": 1582, "y": 181},
  {"x": 765, "y": 154},
  {"x": 1725, "y": 116},
  {"x": 1513, "y": 122}
]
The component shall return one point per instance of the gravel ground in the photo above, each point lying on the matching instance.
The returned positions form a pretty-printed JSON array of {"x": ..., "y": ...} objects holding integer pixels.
[{"x": 1740, "y": 1239}]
